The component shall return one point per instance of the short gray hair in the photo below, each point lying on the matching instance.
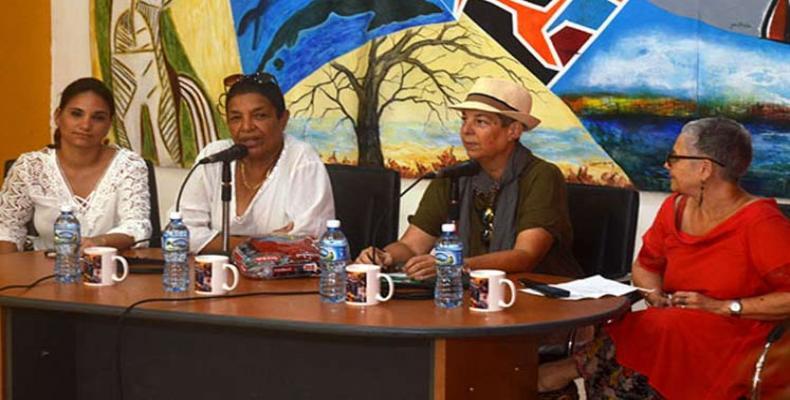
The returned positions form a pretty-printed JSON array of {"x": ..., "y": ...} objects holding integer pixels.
[
  {"x": 505, "y": 121},
  {"x": 724, "y": 140}
]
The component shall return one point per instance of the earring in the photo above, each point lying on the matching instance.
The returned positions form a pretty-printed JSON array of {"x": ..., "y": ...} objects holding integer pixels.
[{"x": 701, "y": 193}]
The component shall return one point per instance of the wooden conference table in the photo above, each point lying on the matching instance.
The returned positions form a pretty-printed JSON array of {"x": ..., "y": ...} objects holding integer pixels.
[{"x": 59, "y": 341}]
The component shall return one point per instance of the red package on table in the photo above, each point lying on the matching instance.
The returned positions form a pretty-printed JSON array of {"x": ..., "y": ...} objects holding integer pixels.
[{"x": 277, "y": 256}]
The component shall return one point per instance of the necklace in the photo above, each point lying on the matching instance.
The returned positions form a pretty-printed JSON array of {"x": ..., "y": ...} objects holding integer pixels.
[
  {"x": 255, "y": 187},
  {"x": 243, "y": 172}
]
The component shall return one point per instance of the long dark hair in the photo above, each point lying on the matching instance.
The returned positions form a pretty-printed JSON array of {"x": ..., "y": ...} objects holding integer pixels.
[{"x": 78, "y": 87}]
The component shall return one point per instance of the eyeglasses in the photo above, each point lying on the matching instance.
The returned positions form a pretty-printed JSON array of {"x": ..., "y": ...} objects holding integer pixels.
[
  {"x": 487, "y": 216},
  {"x": 261, "y": 78},
  {"x": 672, "y": 157}
]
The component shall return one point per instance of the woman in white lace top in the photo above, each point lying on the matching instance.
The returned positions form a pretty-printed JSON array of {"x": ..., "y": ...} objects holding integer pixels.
[{"x": 106, "y": 185}]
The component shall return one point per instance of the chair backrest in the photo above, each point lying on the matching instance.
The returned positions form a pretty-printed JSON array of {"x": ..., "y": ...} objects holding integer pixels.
[
  {"x": 7, "y": 167},
  {"x": 604, "y": 228},
  {"x": 156, "y": 226},
  {"x": 785, "y": 207},
  {"x": 367, "y": 203}
]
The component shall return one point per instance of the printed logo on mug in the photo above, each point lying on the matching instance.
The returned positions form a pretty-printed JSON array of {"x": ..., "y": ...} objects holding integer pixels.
[
  {"x": 363, "y": 287},
  {"x": 210, "y": 276},
  {"x": 98, "y": 266},
  {"x": 486, "y": 292}
]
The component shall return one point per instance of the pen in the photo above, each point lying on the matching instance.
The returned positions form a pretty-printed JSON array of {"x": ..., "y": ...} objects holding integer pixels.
[{"x": 548, "y": 291}]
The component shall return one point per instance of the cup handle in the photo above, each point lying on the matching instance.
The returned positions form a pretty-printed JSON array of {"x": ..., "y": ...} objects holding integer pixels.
[
  {"x": 125, "y": 269},
  {"x": 512, "y": 287},
  {"x": 392, "y": 287},
  {"x": 235, "y": 272}
]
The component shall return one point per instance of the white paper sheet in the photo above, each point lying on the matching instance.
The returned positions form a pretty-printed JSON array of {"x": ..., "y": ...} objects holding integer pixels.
[{"x": 593, "y": 287}]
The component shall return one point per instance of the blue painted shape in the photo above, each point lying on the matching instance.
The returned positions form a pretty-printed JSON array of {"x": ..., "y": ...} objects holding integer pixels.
[
  {"x": 589, "y": 13},
  {"x": 314, "y": 46}
]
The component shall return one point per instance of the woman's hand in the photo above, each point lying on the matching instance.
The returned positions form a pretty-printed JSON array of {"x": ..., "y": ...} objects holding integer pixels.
[
  {"x": 658, "y": 299},
  {"x": 94, "y": 241},
  {"x": 699, "y": 301},
  {"x": 420, "y": 267},
  {"x": 373, "y": 255}
]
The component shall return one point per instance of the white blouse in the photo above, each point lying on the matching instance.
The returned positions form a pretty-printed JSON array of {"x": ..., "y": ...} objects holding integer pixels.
[
  {"x": 297, "y": 190},
  {"x": 36, "y": 188}
]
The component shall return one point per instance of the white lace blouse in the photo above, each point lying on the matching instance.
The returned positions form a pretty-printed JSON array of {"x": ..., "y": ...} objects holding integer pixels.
[
  {"x": 36, "y": 188},
  {"x": 297, "y": 190}
]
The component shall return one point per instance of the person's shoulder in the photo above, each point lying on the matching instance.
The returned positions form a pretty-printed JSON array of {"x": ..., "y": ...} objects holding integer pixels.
[
  {"x": 299, "y": 151},
  {"x": 542, "y": 169},
  {"x": 34, "y": 158},
  {"x": 763, "y": 208},
  {"x": 130, "y": 156}
]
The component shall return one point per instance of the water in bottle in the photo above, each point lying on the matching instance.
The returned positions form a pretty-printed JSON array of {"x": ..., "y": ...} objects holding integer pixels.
[
  {"x": 449, "y": 253},
  {"x": 175, "y": 246},
  {"x": 333, "y": 248},
  {"x": 67, "y": 246}
]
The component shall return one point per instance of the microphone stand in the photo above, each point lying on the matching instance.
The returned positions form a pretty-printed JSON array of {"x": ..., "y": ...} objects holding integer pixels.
[
  {"x": 226, "y": 194},
  {"x": 454, "y": 211}
]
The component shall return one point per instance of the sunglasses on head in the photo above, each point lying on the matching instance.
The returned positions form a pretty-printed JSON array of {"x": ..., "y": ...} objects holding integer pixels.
[
  {"x": 672, "y": 158},
  {"x": 261, "y": 78}
]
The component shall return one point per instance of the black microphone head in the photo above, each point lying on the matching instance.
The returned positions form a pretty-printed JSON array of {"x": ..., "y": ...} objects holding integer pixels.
[
  {"x": 466, "y": 168},
  {"x": 234, "y": 152}
]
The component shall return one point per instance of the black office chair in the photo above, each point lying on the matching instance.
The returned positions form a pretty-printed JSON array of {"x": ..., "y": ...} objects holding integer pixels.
[
  {"x": 156, "y": 227},
  {"x": 774, "y": 336},
  {"x": 367, "y": 203},
  {"x": 785, "y": 207},
  {"x": 7, "y": 166},
  {"x": 604, "y": 228}
]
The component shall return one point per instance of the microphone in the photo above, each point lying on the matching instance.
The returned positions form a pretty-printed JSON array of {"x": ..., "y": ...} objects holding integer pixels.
[
  {"x": 234, "y": 152},
  {"x": 466, "y": 168}
]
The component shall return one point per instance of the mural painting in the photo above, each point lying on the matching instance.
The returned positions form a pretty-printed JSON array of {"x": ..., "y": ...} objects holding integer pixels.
[{"x": 368, "y": 82}]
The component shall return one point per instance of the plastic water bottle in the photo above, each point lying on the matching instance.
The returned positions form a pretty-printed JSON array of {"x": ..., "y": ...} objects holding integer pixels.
[
  {"x": 449, "y": 253},
  {"x": 175, "y": 246},
  {"x": 333, "y": 248},
  {"x": 67, "y": 246}
]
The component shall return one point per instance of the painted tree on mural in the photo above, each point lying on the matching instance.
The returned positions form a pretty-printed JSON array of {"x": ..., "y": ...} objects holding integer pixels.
[{"x": 398, "y": 69}]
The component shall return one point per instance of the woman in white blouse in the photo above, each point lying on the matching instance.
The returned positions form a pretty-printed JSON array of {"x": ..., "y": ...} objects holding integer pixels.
[
  {"x": 107, "y": 186},
  {"x": 280, "y": 186}
]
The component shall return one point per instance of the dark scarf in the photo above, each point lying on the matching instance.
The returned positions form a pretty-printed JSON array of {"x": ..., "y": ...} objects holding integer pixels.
[{"x": 504, "y": 235}]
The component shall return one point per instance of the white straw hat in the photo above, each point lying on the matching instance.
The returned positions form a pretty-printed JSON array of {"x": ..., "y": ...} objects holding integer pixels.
[{"x": 500, "y": 96}]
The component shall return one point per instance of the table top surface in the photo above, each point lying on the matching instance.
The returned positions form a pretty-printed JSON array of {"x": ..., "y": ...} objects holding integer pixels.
[{"x": 303, "y": 312}]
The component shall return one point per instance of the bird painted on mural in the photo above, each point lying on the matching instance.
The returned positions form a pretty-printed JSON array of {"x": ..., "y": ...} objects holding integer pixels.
[{"x": 318, "y": 11}]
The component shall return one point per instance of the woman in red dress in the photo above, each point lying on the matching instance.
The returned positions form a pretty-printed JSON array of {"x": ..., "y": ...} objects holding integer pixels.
[{"x": 718, "y": 261}]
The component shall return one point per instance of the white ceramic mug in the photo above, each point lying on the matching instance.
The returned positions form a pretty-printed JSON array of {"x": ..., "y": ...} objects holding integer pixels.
[
  {"x": 486, "y": 292},
  {"x": 363, "y": 287},
  {"x": 98, "y": 266},
  {"x": 210, "y": 276}
]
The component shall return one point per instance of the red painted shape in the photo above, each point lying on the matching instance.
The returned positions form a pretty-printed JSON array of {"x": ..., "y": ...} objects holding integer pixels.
[{"x": 567, "y": 42}]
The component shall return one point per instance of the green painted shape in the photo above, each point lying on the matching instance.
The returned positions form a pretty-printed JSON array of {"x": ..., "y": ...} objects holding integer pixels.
[
  {"x": 147, "y": 127},
  {"x": 188, "y": 145}
]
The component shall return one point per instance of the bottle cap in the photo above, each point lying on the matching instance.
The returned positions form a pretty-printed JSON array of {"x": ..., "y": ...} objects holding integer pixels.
[
  {"x": 175, "y": 215},
  {"x": 448, "y": 228},
  {"x": 333, "y": 223},
  {"x": 66, "y": 208}
]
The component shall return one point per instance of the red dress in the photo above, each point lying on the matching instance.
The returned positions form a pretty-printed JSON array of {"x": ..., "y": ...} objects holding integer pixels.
[{"x": 694, "y": 354}]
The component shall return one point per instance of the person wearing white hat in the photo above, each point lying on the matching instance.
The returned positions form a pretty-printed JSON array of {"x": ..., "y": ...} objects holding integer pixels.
[{"x": 513, "y": 212}]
